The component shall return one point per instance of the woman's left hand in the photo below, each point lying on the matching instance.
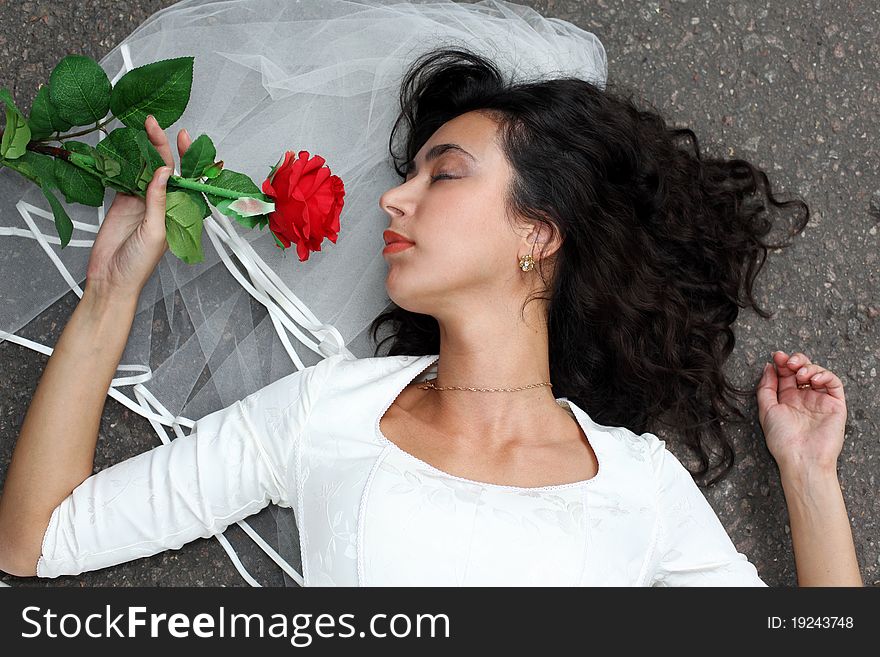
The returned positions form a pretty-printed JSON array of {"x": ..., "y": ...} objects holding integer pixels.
[{"x": 804, "y": 427}]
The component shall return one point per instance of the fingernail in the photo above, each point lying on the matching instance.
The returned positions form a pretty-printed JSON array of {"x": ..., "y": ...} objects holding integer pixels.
[
  {"x": 164, "y": 174},
  {"x": 186, "y": 132}
]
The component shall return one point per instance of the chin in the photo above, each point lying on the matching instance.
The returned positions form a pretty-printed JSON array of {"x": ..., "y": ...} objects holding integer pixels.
[{"x": 408, "y": 299}]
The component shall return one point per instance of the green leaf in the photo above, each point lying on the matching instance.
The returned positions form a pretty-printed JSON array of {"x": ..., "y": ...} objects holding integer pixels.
[
  {"x": 247, "y": 206},
  {"x": 79, "y": 147},
  {"x": 144, "y": 177},
  {"x": 161, "y": 88},
  {"x": 7, "y": 99},
  {"x": 183, "y": 226},
  {"x": 278, "y": 241},
  {"x": 80, "y": 90},
  {"x": 63, "y": 224},
  {"x": 122, "y": 146},
  {"x": 236, "y": 182},
  {"x": 148, "y": 152},
  {"x": 40, "y": 169},
  {"x": 17, "y": 133},
  {"x": 199, "y": 156},
  {"x": 36, "y": 167},
  {"x": 275, "y": 168},
  {"x": 44, "y": 119},
  {"x": 104, "y": 164},
  {"x": 150, "y": 159},
  {"x": 119, "y": 187},
  {"x": 214, "y": 170},
  {"x": 199, "y": 199},
  {"x": 182, "y": 242},
  {"x": 78, "y": 185},
  {"x": 244, "y": 220}
]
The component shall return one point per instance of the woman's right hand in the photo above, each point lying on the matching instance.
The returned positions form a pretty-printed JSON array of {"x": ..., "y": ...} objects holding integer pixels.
[{"x": 131, "y": 240}]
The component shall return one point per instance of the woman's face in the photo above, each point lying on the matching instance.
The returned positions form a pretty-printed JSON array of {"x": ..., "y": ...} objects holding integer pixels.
[{"x": 464, "y": 246}]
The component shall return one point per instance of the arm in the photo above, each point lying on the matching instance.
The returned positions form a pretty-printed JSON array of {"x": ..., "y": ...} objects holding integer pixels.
[
  {"x": 232, "y": 464},
  {"x": 56, "y": 448},
  {"x": 821, "y": 537},
  {"x": 805, "y": 430},
  {"x": 692, "y": 546}
]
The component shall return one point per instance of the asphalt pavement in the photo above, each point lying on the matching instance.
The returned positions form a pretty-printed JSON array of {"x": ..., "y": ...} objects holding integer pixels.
[{"x": 791, "y": 86}]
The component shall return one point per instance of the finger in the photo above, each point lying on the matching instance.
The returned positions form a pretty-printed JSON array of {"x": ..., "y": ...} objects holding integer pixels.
[
  {"x": 154, "y": 217},
  {"x": 807, "y": 372},
  {"x": 159, "y": 140},
  {"x": 830, "y": 382},
  {"x": 784, "y": 374},
  {"x": 816, "y": 381},
  {"x": 184, "y": 141},
  {"x": 798, "y": 360},
  {"x": 767, "y": 391}
]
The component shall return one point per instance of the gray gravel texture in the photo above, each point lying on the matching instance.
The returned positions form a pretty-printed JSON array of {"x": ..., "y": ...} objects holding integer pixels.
[{"x": 792, "y": 87}]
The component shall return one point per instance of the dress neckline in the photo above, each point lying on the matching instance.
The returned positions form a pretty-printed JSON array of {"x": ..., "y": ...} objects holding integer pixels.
[{"x": 420, "y": 365}]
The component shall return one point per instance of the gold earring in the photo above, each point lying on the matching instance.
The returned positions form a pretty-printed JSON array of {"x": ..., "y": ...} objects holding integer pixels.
[{"x": 527, "y": 262}]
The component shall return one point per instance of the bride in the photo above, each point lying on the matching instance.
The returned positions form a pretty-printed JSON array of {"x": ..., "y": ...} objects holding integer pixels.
[{"x": 563, "y": 263}]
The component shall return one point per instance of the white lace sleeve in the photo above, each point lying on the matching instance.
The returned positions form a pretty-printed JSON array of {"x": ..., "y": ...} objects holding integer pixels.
[
  {"x": 693, "y": 547},
  {"x": 232, "y": 464}
]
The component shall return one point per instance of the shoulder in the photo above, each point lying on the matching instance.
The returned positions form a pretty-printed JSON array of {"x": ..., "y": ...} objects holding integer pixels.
[
  {"x": 345, "y": 364},
  {"x": 304, "y": 386},
  {"x": 663, "y": 464},
  {"x": 660, "y": 474},
  {"x": 643, "y": 448},
  {"x": 642, "y": 454},
  {"x": 649, "y": 456},
  {"x": 350, "y": 392},
  {"x": 372, "y": 366},
  {"x": 340, "y": 375}
]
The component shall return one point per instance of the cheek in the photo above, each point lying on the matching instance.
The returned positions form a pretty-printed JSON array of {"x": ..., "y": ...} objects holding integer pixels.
[
  {"x": 467, "y": 230},
  {"x": 471, "y": 250}
]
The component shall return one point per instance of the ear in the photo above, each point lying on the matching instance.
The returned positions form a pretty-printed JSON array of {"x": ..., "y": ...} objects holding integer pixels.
[{"x": 544, "y": 239}]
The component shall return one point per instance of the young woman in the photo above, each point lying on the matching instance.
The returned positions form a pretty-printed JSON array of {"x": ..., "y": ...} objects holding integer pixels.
[{"x": 566, "y": 268}]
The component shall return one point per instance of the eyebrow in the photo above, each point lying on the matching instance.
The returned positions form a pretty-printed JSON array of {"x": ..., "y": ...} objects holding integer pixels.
[{"x": 437, "y": 151}]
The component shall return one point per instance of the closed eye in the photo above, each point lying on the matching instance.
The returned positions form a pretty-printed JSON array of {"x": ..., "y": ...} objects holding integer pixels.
[{"x": 442, "y": 176}]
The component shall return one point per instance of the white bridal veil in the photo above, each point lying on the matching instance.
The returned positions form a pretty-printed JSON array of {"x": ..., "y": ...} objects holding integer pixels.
[{"x": 269, "y": 76}]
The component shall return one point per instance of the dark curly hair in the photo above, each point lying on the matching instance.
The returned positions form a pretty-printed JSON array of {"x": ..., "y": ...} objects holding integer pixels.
[{"x": 660, "y": 246}]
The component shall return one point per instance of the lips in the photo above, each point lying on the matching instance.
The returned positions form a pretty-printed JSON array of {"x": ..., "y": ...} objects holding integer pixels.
[{"x": 391, "y": 237}]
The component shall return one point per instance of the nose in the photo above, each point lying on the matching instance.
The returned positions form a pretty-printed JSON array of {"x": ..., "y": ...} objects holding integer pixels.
[
  {"x": 390, "y": 203},
  {"x": 391, "y": 210}
]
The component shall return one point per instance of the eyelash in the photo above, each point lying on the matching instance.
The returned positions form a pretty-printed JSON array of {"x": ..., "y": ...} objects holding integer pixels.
[{"x": 439, "y": 176}]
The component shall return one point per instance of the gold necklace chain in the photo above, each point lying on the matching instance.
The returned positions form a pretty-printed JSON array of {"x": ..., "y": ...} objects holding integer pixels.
[{"x": 429, "y": 385}]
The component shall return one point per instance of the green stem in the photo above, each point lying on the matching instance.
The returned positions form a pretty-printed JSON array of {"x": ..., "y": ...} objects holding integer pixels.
[
  {"x": 188, "y": 183},
  {"x": 88, "y": 164},
  {"x": 41, "y": 147},
  {"x": 80, "y": 159},
  {"x": 58, "y": 138}
]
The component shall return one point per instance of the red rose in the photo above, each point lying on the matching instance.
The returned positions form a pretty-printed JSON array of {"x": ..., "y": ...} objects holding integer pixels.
[{"x": 308, "y": 201}]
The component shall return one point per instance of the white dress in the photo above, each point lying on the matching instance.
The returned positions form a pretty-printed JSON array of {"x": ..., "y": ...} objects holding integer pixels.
[{"x": 372, "y": 514}]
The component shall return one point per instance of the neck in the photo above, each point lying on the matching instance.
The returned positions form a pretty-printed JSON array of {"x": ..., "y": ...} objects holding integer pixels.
[{"x": 481, "y": 353}]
